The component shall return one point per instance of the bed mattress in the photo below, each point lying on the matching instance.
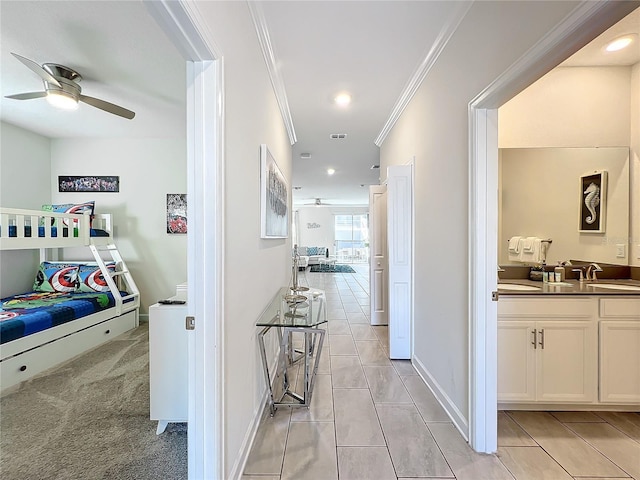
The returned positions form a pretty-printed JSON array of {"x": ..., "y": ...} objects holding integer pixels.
[
  {"x": 29, "y": 313},
  {"x": 94, "y": 232}
]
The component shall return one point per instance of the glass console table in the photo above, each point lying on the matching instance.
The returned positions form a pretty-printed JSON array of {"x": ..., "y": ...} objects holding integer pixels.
[{"x": 290, "y": 313}]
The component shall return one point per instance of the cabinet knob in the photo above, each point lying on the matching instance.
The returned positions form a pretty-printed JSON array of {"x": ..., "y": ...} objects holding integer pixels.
[
  {"x": 107, "y": 332},
  {"x": 23, "y": 368}
]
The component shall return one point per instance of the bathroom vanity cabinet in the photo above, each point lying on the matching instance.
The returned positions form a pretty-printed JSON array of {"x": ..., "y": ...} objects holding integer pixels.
[{"x": 568, "y": 350}]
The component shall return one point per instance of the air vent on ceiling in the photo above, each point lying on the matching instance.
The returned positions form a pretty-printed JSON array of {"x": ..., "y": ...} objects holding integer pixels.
[
  {"x": 375, "y": 167},
  {"x": 338, "y": 136},
  {"x": 297, "y": 188},
  {"x": 305, "y": 155}
]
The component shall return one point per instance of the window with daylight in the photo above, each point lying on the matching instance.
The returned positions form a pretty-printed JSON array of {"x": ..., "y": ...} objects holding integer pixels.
[{"x": 352, "y": 238}]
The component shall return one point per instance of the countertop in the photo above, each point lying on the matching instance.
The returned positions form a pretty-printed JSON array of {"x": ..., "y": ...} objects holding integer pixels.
[{"x": 569, "y": 287}]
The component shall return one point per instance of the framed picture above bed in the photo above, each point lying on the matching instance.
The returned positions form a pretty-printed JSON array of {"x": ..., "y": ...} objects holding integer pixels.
[
  {"x": 274, "y": 197},
  {"x": 89, "y": 183}
]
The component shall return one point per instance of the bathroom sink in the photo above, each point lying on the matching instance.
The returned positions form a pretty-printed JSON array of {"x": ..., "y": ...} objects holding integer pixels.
[
  {"x": 515, "y": 286},
  {"x": 614, "y": 286}
]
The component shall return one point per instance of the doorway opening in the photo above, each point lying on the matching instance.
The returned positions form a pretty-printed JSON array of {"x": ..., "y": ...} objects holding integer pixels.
[{"x": 580, "y": 27}]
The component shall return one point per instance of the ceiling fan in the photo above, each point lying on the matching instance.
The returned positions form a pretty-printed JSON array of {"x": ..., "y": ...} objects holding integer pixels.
[
  {"x": 318, "y": 202},
  {"x": 62, "y": 90}
]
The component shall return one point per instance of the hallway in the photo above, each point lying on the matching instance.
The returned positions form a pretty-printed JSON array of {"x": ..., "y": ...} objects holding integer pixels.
[{"x": 373, "y": 418}]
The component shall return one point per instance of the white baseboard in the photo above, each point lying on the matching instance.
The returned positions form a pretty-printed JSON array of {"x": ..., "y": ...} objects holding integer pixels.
[
  {"x": 250, "y": 435},
  {"x": 456, "y": 416},
  {"x": 247, "y": 442}
]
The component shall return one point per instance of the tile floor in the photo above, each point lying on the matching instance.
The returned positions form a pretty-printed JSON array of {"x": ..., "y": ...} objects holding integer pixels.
[{"x": 373, "y": 418}]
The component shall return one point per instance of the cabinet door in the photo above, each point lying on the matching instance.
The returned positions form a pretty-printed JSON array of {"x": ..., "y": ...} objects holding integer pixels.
[
  {"x": 566, "y": 361},
  {"x": 168, "y": 363},
  {"x": 620, "y": 361},
  {"x": 516, "y": 361}
]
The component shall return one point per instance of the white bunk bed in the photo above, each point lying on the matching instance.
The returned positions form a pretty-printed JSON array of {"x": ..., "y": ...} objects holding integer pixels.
[{"x": 25, "y": 357}]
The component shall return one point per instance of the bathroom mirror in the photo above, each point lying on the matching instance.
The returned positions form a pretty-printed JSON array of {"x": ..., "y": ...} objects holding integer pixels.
[{"x": 540, "y": 195}]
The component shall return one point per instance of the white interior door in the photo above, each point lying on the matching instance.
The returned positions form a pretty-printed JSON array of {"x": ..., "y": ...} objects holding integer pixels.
[
  {"x": 378, "y": 274},
  {"x": 400, "y": 259}
]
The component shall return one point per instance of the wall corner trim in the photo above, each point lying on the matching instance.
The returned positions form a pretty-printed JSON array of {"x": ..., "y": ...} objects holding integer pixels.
[
  {"x": 423, "y": 69},
  {"x": 184, "y": 24},
  {"x": 262, "y": 31}
]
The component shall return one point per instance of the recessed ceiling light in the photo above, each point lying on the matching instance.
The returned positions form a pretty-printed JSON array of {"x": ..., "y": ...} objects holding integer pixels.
[
  {"x": 342, "y": 99},
  {"x": 619, "y": 43},
  {"x": 330, "y": 171}
]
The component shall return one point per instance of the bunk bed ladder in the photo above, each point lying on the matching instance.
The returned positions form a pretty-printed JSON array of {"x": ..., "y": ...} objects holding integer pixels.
[{"x": 124, "y": 272}]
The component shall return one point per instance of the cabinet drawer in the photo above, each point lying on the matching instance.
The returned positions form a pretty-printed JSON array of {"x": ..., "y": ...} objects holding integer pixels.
[
  {"x": 28, "y": 364},
  {"x": 566, "y": 308},
  {"x": 620, "y": 308}
]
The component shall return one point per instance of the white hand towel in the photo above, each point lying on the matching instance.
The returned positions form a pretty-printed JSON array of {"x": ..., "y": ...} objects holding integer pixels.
[
  {"x": 515, "y": 244},
  {"x": 528, "y": 244},
  {"x": 534, "y": 254}
]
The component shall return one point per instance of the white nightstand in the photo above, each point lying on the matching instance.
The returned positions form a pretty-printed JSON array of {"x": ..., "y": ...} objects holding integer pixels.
[{"x": 168, "y": 363}]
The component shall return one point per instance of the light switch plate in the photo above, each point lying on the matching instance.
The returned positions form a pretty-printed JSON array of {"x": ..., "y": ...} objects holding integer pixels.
[{"x": 621, "y": 250}]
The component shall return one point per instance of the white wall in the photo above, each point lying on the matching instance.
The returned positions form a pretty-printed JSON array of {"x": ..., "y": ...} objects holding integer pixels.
[
  {"x": 634, "y": 165},
  {"x": 570, "y": 107},
  {"x": 25, "y": 172},
  {"x": 434, "y": 128},
  {"x": 581, "y": 107},
  {"x": 324, "y": 236},
  {"x": 148, "y": 170},
  {"x": 254, "y": 268}
]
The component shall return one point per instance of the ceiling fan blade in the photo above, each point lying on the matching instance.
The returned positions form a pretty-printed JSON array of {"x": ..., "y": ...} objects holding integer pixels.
[
  {"x": 38, "y": 70},
  {"x": 107, "y": 107},
  {"x": 27, "y": 96}
]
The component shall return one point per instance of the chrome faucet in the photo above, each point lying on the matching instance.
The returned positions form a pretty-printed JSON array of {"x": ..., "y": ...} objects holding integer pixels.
[{"x": 591, "y": 271}]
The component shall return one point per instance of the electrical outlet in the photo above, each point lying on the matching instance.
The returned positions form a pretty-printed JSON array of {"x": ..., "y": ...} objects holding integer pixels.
[{"x": 621, "y": 250}]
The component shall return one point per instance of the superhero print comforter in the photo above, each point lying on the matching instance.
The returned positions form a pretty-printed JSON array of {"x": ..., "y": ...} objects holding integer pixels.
[{"x": 29, "y": 313}]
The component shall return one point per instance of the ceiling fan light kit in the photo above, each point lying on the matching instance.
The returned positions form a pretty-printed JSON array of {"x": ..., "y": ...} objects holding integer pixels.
[{"x": 62, "y": 89}]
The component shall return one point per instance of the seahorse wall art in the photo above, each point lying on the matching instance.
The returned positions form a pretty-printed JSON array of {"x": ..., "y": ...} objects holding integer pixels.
[{"x": 591, "y": 201}]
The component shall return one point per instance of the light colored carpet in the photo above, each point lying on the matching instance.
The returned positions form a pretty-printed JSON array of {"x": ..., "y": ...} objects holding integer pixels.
[{"x": 89, "y": 419}]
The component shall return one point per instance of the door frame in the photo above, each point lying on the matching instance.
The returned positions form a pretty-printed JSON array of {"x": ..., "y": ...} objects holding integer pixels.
[
  {"x": 187, "y": 30},
  {"x": 582, "y": 25}
]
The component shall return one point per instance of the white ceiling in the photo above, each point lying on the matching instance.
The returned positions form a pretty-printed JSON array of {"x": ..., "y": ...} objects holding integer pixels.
[{"x": 368, "y": 48}]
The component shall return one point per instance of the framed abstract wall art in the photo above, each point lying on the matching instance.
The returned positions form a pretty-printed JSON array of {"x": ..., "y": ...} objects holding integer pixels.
[
  {"x": 593, "y": 202},
  {"x": 274, "y": 198},
  {"x": 89, "y": 183},
  {"x": 176, "y": 213}
]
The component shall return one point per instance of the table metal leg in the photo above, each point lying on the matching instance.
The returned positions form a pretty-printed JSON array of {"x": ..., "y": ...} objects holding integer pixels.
[{"x": 265, "y": 369}]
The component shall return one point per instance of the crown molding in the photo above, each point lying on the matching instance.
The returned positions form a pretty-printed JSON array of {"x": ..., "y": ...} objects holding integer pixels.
[
  {"x": 423, "y": 69},
  {"x": 260, "y": 23}
]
